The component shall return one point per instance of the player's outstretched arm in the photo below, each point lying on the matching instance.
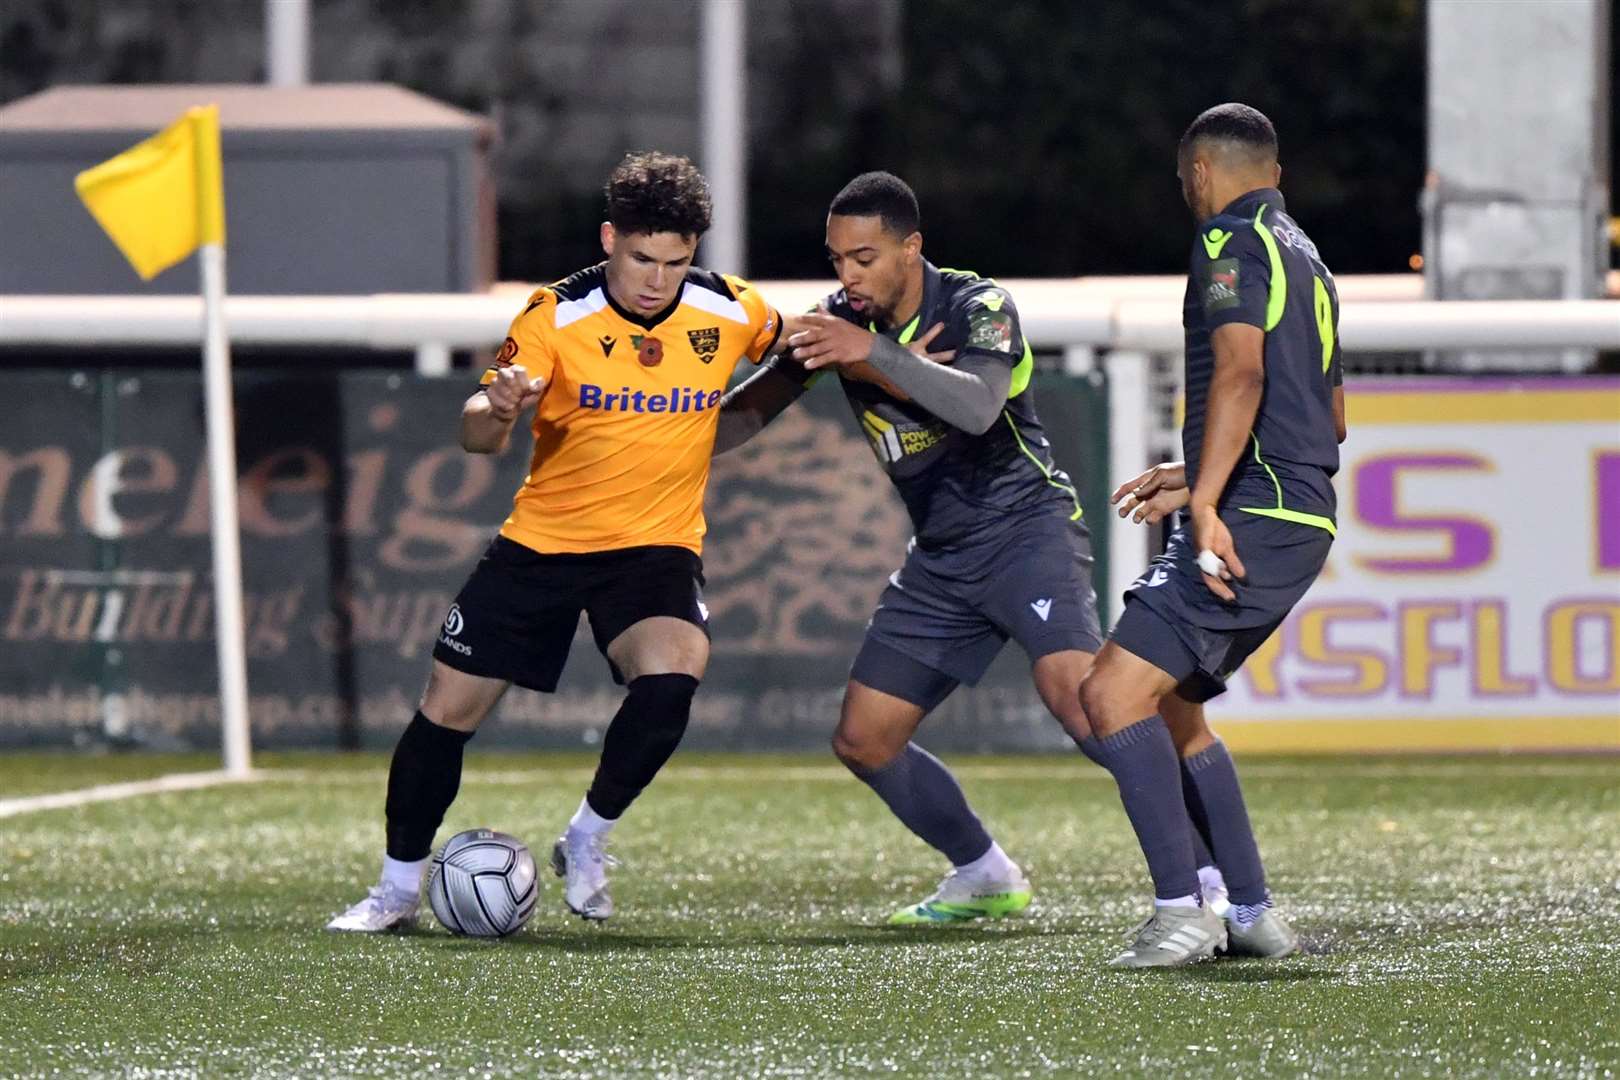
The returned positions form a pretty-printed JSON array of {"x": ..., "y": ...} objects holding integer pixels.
[
  {"x": 487, "y": 417},
  {"x": 761, "y": 398},
  {"x": 967, "y": 394}
]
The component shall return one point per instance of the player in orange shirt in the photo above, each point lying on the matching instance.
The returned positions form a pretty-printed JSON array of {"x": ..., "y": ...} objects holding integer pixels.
[{"x": 626, "y": 362}]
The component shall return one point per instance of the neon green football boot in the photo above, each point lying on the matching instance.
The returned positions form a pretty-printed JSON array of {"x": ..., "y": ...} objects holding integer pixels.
[{"x": 960, "y": 899}]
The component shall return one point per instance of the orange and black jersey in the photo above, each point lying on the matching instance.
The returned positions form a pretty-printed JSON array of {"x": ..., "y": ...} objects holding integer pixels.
[{"x": 625, "y": 426}]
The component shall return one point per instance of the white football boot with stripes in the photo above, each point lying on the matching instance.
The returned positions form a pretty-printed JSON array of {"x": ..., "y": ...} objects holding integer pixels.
[{"x": 1174, "y": 936}]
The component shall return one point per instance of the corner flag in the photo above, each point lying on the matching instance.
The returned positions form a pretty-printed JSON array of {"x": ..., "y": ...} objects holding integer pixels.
[{"x": 162, "y": 198}]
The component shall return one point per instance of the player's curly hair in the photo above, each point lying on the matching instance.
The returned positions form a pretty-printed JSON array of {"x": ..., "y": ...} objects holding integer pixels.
[{"x": 652, "y": 192}]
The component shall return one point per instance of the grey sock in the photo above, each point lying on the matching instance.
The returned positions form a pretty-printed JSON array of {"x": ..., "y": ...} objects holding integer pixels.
[
  {"x": 1216, "y": 802},
  {"x": 923, "y": 794},
  {"x": 1202, "y": 855},
  {"x": 1201, "y": 849},
  {"x": 1147, "y": 769}
]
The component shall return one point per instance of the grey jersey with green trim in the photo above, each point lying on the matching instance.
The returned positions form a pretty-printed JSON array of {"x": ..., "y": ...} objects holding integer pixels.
[
  {"x": 961, "y": 488},
  {"x": 1252, "y": 264}
]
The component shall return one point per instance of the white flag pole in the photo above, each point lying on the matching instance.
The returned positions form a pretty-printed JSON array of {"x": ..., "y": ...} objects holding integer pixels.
[
  {"x": 220, "y": 412},
  {"x": 235, "y": 736}
]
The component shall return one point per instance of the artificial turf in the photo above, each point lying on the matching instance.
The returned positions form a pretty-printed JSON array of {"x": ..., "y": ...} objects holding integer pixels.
[{"x": 1461, "y": 917}]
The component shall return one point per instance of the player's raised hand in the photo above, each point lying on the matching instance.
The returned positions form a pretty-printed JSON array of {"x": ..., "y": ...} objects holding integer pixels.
[
  {"x": 1217, "y": 555},
  {"x": 826, "y": 340},
  {"x": 512, "y": 391},
  {"x": 919, "y": 346},
  {"x": 1151, "y": 496}
]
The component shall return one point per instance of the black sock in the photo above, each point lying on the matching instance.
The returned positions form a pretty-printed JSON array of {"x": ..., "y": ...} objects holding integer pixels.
[
  {"x": 923, "y": 794},
  {"x": 423, "y": 780},
  {"x": 1147, "y": 769},
  {"x": 644, "y": 733},
  {"x": 1216, "y": 803}
]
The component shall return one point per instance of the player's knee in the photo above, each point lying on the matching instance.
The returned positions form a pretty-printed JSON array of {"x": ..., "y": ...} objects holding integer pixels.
[
  {"x": 1072, "y": 718},
  {"x": 458, "y": 712},
  {"x": 1102, "y": 705},
  {"x": 1062, "y": 700},
  {"x": 1188, "y": 728},
  {"x": 862, "y": 753}
]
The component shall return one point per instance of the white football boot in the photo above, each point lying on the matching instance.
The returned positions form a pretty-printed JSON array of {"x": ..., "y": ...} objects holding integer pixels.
[
  {"x": 1268, "y": 937},
  {"x": 1173, "y": 936},
  {"x": 386, "y": 907},
  {"x": 578, "y": 859}
]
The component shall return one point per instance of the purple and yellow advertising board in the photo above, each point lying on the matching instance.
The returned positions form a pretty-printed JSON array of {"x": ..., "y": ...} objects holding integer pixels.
[{"x": 1472, "y": 598}]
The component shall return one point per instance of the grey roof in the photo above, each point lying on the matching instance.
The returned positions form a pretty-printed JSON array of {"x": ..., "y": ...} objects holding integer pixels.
[{"x": 146, "y": 108}]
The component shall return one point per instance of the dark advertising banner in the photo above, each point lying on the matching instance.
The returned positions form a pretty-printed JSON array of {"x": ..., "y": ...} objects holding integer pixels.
[{"x": 361, "y": 516}]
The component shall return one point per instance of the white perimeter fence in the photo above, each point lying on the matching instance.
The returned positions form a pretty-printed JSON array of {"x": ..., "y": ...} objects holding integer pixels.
[{"x": 1119, "y": 324}]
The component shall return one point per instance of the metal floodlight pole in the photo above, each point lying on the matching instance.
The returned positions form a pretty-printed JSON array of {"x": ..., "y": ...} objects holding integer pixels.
[
  {"x": 286, "y": 42},
  {"x": 723, "y": 62}
]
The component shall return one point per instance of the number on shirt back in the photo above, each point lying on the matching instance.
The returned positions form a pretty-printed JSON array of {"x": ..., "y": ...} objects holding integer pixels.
[{"x": 1324, "y": 321}]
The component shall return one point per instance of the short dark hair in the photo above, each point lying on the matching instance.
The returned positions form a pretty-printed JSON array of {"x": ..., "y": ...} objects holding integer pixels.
[
  {"x": 880, "y": 194},
  {"x": 1240, "y": 127},
  {"x": 651, "y": 192}
]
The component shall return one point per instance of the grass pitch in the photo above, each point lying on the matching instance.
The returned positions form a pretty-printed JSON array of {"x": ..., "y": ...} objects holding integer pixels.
[{"x": 1462, "y": 918}]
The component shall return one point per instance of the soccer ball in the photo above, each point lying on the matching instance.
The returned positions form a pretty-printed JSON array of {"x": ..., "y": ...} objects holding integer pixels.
[{"x": 483, "y": 884}]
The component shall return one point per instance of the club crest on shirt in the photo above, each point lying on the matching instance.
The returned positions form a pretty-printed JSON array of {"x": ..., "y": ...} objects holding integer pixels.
[
  {"x": 990, "y": 329},
  {"x": 705, "y": 342},
  {"x": 1221, "y": 292}
]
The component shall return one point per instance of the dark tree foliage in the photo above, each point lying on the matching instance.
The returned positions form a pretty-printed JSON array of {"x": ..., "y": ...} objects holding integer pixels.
[{"x": 1041, "y": 135}]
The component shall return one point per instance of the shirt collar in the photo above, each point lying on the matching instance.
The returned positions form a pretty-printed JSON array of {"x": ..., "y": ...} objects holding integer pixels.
[
  {"x": 919, "y": 322},
  {"x": 646, "y": 322},
  {"x": 1247, "y": 204}
]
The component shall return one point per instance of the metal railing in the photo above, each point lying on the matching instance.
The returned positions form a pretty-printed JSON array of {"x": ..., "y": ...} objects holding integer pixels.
[{"x": 1123, "y": 322}]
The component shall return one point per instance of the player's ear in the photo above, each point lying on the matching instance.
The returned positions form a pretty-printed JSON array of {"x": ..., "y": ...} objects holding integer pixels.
[
  {"x": 608, "y": 236},
  {"x": 1203, "y": 178},
  {"x": 912, "y": 246},
  {"x": 1276, "y": 174}
]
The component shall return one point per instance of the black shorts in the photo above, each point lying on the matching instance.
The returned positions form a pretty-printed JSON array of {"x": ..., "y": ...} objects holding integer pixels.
[
  {"x": 516, "y": 616},
  {"x": 945, "y": 615},
  {"x": 1175, "y": 623}
]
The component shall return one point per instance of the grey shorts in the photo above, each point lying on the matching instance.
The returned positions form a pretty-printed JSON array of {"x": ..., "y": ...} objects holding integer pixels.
[
  {"x": 945, "y": 615},
  {"x": 1175, "y": 623}
]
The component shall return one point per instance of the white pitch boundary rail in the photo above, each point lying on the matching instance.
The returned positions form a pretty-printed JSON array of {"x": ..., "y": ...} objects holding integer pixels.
[{"x": 1129, "y": 320}]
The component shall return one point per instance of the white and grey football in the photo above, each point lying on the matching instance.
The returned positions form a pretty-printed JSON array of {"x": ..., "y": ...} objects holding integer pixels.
[{"x": 483, "y": 884}]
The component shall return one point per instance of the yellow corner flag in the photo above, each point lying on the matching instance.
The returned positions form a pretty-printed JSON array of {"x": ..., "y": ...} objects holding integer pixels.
[{"x": 163, "y": 197}]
